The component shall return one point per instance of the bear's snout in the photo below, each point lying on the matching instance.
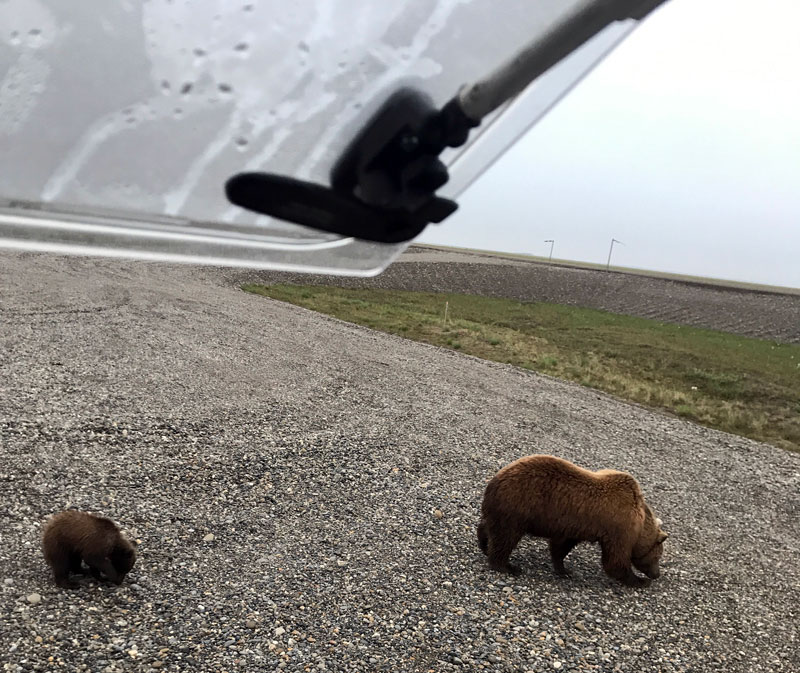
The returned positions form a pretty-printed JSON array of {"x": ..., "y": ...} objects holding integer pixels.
[{"x": 654, "y": 573}]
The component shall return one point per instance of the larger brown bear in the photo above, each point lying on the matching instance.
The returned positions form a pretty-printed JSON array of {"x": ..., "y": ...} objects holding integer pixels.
[{"x": 549, "y": 497}]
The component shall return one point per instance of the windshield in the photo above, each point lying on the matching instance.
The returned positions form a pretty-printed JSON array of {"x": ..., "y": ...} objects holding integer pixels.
[{"x": 120, "y": 121}]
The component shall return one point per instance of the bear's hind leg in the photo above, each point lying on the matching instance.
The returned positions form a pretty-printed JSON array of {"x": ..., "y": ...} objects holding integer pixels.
[
  {"x": 59, "y": 563},
  {"x": 617, "y": 564},
  {"x": 483, "y": 538},
  {"x": 559, "y": 548},
  {"x": 501, "y": 543}
]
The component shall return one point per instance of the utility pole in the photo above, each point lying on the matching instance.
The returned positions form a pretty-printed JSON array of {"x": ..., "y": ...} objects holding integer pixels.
[
  {"x": 552, "y": 243},
  {"x": 610, "y": 250}
]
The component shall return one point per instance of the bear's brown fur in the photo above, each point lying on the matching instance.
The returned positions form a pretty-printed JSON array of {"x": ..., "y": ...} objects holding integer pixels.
[
  {"x": 549, "y": 497},
  {"x": 71, "y": 537}
]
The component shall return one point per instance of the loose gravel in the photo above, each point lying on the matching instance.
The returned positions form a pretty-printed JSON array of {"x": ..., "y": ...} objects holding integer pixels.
[{"x": 305, "y": 493}]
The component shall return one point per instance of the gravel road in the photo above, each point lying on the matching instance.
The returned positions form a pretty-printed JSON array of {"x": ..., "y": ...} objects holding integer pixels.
[
  {"x": 764, "y": 315},
  {"x": 305, "y": 493}
]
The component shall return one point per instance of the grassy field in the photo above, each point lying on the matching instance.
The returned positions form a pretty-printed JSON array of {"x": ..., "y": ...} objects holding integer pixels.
[{"x": 744, "y": 386}]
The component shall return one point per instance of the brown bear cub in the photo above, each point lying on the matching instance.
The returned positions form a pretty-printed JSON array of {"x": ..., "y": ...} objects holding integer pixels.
[
  {"x": 71, "y": 537},
  {"x": 548, "y": 497}
]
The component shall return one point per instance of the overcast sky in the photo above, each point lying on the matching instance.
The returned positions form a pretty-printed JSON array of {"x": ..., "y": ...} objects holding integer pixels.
[{"x": 684, "y": 144}]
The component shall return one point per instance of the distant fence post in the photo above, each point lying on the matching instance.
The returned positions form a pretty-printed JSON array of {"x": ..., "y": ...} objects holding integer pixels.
[{"x": 446, "y": 307}]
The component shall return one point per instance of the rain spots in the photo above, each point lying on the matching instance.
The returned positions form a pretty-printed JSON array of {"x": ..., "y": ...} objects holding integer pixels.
[
  {"x": 177, "y": 113},
  {"x": 224, "y": 87},
  {"x": 199, "y": 52},
  {"x": 342, "y": 65},
  {"x": 186, "y": 88},
  {"x": 165, "y": 86},
  {"x": 304, "y": 51},
  {"x": 242, "y": 46},
  {"x": 34, "y": 31},
  {"x": 248, "y": 8},
  {"x": 241, "y": 143},
  {"x": 135, "y": 116}
]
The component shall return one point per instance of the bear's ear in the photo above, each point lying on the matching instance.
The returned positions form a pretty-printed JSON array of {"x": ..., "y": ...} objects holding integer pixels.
[{"x": 662, "y": 535}]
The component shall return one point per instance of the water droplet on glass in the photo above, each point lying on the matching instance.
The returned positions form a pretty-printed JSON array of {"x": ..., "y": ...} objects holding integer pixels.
[
  {"x": 178, "y": 112},
  {"x": 186, "y": 88},
  {"x": 34, "y": 31},
  {"x": 199, "y": 52},
  {"x": 303, "y": 46},
  {"x": 242, "y": 46},
  {"x": 241, "y": 142},
  {"x": 248, "y": 8},
  {"x": 165, "y": 85},
  {"x": 225, "y": 88}
]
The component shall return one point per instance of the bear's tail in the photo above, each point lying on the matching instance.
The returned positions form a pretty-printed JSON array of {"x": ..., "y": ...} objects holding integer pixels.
[{"x": 483, "y": 538}]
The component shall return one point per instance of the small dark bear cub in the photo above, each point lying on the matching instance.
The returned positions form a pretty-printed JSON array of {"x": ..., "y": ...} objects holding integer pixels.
[
  {"x": 549, "y": 497},
  {"x": 71, "y": 537}
]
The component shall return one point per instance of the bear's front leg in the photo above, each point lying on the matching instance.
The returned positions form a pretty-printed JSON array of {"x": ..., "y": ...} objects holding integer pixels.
[
  {"x": 617, "y": 564},
  {"x": 103, "y": 564}
]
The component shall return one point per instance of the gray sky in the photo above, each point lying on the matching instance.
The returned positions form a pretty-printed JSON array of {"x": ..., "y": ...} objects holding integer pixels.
[{"x": 684, "y": 144}]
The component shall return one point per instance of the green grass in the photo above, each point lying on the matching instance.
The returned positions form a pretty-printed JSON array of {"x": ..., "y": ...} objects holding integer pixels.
[{"x": 744, "y": 386}]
